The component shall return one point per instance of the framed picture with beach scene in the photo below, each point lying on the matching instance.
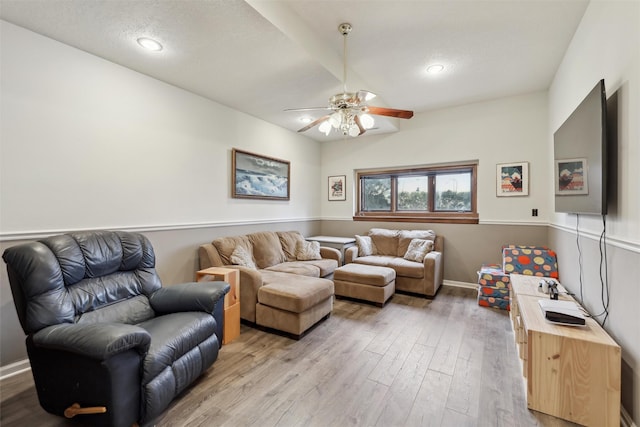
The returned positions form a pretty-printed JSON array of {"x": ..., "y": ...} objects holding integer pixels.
[
  {"x": 259, "y": 177},
  {"x": 512, "y": 179}
]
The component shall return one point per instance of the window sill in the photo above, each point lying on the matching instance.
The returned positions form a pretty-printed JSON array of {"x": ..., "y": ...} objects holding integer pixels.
[{"x": 435, "y": 218}]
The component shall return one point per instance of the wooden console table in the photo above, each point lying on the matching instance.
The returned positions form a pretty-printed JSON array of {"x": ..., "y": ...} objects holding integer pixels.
[
  {"x": 572, "y": 372},
  {"x": 340, "y": 243},
  {"x": 231, "y": 300}
]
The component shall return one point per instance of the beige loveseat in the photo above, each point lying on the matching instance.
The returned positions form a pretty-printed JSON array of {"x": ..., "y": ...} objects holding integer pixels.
[
  {"x": 279, "y": 289},
  {"x": 388, "y": 248}
]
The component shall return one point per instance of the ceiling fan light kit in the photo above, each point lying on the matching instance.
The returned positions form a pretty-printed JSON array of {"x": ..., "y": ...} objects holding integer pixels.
[{"x": 350, "y": 115}]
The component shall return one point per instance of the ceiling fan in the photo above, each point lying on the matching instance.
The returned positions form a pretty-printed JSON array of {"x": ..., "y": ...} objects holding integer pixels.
[{"x": 348, "y": 111}]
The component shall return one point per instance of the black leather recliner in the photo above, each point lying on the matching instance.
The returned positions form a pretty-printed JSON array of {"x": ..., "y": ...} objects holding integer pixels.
[{"x": 101, "y": 330}]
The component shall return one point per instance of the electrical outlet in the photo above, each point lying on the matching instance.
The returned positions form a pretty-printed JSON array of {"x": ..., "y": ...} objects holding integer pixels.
[{"x": 534, "y": 212}]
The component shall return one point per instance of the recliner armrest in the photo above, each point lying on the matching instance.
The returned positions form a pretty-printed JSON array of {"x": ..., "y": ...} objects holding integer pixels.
[
  {"x": 193, "y": 296},
  {"x": 98, "y": 341}
]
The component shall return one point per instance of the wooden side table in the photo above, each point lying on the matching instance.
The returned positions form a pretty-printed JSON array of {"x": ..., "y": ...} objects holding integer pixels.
[{"x": 231, "y": 300}]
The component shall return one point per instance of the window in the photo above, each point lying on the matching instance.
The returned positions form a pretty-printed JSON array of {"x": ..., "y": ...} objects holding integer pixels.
[{"x": 428, "y": 194}]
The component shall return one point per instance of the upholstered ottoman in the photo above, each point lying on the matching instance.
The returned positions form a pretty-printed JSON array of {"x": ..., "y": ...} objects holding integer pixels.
[
  {"x": 493, "y": 287},
  {"x": 365, "y": 282},
  {"x": 293, "y": 304}
]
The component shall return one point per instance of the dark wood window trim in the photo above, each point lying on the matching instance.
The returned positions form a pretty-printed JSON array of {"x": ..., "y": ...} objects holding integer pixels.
[{"x": 467, "y": 217}]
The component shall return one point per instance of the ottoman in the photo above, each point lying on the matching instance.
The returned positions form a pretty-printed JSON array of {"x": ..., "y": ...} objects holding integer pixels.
[
  {"x": 293, "y": 304},
  {"x": 365, "y": 282}
]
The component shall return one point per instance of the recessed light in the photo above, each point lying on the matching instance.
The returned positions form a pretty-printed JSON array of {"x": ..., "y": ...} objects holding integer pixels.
[
  {"x": 435, "y": 69},
  {"x": 305, "y": 119},
  {"x": 150, "y": 44}
]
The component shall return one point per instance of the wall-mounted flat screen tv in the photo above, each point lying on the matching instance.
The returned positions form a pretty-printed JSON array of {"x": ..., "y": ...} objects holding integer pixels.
[{"x": 580, "y": 157}]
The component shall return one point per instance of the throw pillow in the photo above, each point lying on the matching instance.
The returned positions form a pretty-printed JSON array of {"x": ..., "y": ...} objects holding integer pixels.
[
  {"x": 240, "y": 256},
  {"x": 418, "y": 249},
  {"x": 365, "y": 245},
  {"x": 306, "y": 251}
]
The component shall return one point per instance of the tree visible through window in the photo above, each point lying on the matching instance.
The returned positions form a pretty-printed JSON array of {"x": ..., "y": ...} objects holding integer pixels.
[
  {"x": 438, "y": 194},
  {"x": 377, "y": 193}
]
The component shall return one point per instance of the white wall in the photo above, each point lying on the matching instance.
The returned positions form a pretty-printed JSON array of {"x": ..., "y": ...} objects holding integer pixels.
[
  {"x": 606, "y": 45},
  {"x": 505, "y": 130},
  {"x": 86, "y": 143}
]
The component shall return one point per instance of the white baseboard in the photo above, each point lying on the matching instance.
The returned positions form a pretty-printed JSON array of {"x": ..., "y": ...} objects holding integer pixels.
[
  {"x": 14, "y": 369},
  {"x": 460, "y": 284}
]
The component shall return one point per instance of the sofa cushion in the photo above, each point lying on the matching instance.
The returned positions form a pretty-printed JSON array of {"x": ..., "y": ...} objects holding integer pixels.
[
  {"x": 406, "y": 236},
  {"x": 240, "y": 256},
  {"x": 306, "y": 251},
  {"x": 266, "y": 248},
  {"x": 365, "y": 246},
  {"x": 300, "y": 268},
  {"x": 226, "y": 246},
  {"x": 418, "y": 249},
  {"x": 288, "y": 241},
  {"x": 386, "y": 241},
  {"x": 403, "y": 267},
  {"x": 379, "y": 260},
  {"x": 326, "y": 266},
  {"x": 407, "y": 268},
  {"x": 293, "y": 292}
]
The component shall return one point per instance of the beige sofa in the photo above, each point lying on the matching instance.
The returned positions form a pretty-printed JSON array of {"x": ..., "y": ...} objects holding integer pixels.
[
  {"x": 388, "y": 249},
  {"x": 280, "y": 291}
]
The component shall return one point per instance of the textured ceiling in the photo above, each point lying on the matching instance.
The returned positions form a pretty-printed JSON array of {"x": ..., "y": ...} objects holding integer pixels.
[{"x": 264, "y": 56}]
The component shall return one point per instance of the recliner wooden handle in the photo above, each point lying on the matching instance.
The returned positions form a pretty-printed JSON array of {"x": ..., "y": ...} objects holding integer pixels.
[{"x": 75, "y": 409}]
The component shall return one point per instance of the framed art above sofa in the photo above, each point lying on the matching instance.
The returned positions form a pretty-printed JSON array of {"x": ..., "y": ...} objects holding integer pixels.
[{"x": 255, "y": 176}]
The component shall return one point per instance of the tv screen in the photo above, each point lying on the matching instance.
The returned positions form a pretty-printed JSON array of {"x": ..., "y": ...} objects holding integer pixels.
[{"x": 580, "y": 157}]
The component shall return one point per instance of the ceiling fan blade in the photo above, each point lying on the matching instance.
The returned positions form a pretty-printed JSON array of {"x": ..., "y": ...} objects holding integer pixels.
[
  {"x": 362, "y": 129},
  {"x": 314, "y": 123},
  {"x": 365, "y": 95},
  {"x": 381, "y": 111},
  {"x": 307, "y": 109}
]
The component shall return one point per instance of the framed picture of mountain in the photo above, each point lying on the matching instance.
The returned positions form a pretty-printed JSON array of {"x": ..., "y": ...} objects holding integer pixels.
[
  {"x": 512, "y": 179},
  {"x": 256, "y": 176},
  {"x": 571, "y": 177}
]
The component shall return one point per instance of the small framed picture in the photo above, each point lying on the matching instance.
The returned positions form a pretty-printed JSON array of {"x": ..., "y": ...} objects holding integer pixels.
[
  {"x": 337, "y": 190},
  {"x": 512, "y": 179},
  {"x": 571, "y": 177}
]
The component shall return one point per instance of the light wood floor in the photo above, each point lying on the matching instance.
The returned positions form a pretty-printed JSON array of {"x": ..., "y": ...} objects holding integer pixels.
[{"x": 415, "y": 362}]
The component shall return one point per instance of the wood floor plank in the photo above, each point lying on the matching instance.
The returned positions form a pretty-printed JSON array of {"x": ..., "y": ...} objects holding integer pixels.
[
  {"x": 405, "y": 387},
  {"x": 466, "y": 381},
  {"x": 415, "y": 362},
  {"x": 430, "y": 402},
  {"x": 446, "y": 354}
]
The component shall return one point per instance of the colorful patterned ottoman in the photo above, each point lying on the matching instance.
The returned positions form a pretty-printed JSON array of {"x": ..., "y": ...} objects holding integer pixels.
[
  {"x": 500, "y": 303},
  {"x": 493, "y": 287},
  {"x": 530, "y": 261}
]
